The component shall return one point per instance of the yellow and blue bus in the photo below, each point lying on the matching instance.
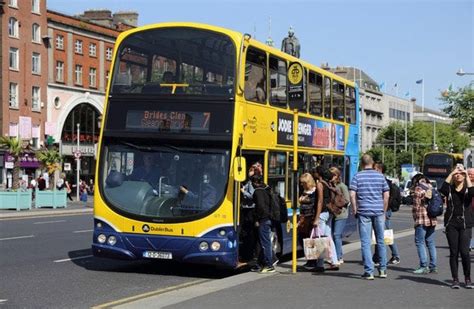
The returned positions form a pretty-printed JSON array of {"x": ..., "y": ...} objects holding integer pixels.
[{"x": 186, "y": 104}]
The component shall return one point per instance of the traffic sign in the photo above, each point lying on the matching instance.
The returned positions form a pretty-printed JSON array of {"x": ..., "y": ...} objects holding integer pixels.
[{"x": 77, "y": 154}]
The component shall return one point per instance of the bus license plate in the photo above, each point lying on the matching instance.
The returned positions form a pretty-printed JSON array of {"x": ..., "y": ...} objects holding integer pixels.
[{"x": 158, "y": 255}]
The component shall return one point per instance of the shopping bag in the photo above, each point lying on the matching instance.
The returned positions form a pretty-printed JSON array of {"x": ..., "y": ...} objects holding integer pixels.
[
  {"x": 387, "y": 237},
  {"x": 315, "y": 245}
]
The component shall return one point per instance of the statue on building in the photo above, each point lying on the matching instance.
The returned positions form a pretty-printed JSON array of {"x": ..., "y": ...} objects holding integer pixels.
[{"x": 291, "y": 44}]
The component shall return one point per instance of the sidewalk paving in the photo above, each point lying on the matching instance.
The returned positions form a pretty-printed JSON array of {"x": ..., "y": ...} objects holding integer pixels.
[{"x": 73, "y": 207}]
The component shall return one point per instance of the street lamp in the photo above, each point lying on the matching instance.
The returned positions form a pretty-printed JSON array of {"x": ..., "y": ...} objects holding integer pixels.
[
  {"x": 78, "y": 161},
  {"x": 461, "y": 72}
]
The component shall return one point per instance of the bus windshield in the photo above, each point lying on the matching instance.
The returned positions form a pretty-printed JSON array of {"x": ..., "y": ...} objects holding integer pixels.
[
  {"x": 163, "y": 183},
  {"x": 176, "y": 61}
]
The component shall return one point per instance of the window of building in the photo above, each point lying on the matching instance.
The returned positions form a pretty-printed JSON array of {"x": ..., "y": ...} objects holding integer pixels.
[
  {"x": 327, "y": 97},
  {"x": 13, "y": 27},
  {"x": 337, "y": 101},
  {"x": 315, "y": 86},
  {"x": 350, "y": 105},
  {"x": 13, "y": 58},
  {"x": 408, "y": 116},
  {"x": 59, "y": 42},
  {"x": 78, "y": 73},
  {"x": 13, "y": 3},
  {"x": 35, "y": 6},
  {"x": 78, "y": 47},
  {"x": 92, "y": 50},
  {"x": 35, "y": 139},
  {"x": 35, "y": 98},
  {"x": 36, "y": 33},
  {"x": 93, "y": 77},
  {"x": 107, "y": 74},
  {"x": 108, "y": 53},
  {"x": 36, "y": 63},
  {"x": 256, "y": 76},
  {"x": 278, "y": 72},
  {"x": 59, "y": 71},
  {"x": 13, "y": 95}
]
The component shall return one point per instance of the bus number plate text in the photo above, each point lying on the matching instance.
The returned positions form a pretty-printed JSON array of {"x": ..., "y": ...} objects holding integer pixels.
[{"x": 158, "y": 255}]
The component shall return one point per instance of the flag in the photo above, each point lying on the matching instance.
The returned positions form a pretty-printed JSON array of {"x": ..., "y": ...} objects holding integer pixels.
[
  {"x": 420, "y": 81},
  {"x": 381, "y": 86},
  {"x": 407, "y": 94},
  {"x": 395, "y": 85}
]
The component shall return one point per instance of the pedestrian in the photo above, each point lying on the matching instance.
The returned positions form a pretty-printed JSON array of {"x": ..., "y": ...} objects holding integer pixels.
[
  {"x": 91, "y": 187},
  {"x": 369, "y": 198},
  {"x": 395, "y": 259},
  {"x": 323, "y": 217},
  {"x": 261, "y": 199},
  {"x": 67, "y": 185},
  {"x": 470, "y": 174},
  {"x": 425, "y": 233},
  {"x": 41, "y": 183},
  {"x": 339, "y": 221},
  {"x": 83, "y": 192},
  {"x": 458, "y": 220},
  {"x": 310, "y": 200}
]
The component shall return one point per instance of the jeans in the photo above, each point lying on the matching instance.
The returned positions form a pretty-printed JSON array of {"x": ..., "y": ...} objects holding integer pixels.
[
  {"x": 425, "y": 237},
  {"x": 365, "y": 233},
  {"x": 325, "y": 228},
  {"x": 264, "y": 234},
  {"x": 393, "y": 247},
  {"x": 458, "y": 241},
  {"x": 337, "y": 229}
]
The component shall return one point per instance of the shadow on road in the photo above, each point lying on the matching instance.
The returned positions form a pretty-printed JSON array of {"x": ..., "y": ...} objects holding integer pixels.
[
  {"x": 425, "y": 280},
  {"x": 83, "y": 258}
]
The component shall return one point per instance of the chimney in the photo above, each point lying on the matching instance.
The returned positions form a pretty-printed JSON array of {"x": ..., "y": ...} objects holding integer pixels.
[
  {"x": 126, "y": 17},
  {"x": 102, "y": 17}
]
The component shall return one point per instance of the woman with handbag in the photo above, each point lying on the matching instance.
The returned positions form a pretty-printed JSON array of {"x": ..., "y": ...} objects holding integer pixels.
[
  {"x": 339, "y": 221},
  {"x": 458, "y": 220}
]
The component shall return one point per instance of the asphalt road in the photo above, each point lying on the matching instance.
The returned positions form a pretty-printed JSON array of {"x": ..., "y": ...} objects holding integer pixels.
[{"x": 46, "y": 262}]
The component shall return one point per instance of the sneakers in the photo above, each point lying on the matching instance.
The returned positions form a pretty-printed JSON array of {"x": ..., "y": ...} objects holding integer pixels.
[
  {"x": 275, "y": 262},
  {"x": 382, "y": 274},
  {"x": 455, "y": 285},
  {"x": 333, "y": 267},
  {"x": 310, "y": 265},
  {"x": 341, "y": 261},
  {"x": 376, "y": 264},
  {"x": 421, "y": 271},
  {"x": 256, "y": 268},
  {"x": 318, "y": 269},
  {"x": 367, "y": 276},
  {"x": 468, "y": 284},
  {"x": 434, "y": 270},
  {"x": 394, "y": 260},
  {"x": 267, "y": 270}
]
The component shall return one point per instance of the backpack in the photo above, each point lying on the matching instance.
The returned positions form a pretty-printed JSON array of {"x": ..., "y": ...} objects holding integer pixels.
[
  {"x": 278, "y": 211},
  {"x": 395, "y": 197},
  {"x": 434, "y": 206}
]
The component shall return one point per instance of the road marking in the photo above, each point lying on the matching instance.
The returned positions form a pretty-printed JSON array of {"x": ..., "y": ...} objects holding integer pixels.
[
  {"x": 74, "y": 258},
  {"x": 149, "y": 294},
  {"x": 47, "y": 222},
  {"x": 17, "y": 237},
  {"x": 83, "y": 231},
  {"x": 3, "y": 301},
  {"x": 4, "y": 218}
]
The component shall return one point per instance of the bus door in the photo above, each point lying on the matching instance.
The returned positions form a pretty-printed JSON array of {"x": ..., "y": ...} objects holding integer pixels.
[{"x": 247, "y": 231}]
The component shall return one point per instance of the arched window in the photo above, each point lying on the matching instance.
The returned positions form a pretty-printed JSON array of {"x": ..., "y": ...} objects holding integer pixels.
[
  {"x": 13, "y": 27},
  {"x": 88, "y": 117},
  {"x": 36, "y": 33}
]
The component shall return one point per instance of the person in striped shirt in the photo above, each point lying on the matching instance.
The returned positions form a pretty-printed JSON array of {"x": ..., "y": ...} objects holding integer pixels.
[{"x": 369, "y": 198}]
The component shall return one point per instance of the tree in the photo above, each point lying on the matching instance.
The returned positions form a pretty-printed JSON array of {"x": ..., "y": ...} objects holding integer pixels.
[
  {"x": 459, "y": 105},
  {"x": 52, "y": 161},
  {"x": 14, "y": 146}
]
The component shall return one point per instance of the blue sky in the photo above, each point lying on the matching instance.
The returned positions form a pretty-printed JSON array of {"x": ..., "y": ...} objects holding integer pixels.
[{"x": 394, "y": 41}]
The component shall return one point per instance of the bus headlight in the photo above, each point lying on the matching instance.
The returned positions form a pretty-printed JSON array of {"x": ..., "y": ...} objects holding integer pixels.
[
  {"x": 101, "y": 238},
  {"x": 112, "y": 240},
  {"x": 222, "y": 232},
  {"x": 203, "y": 246},
  {"x": 215, "y": 246}
]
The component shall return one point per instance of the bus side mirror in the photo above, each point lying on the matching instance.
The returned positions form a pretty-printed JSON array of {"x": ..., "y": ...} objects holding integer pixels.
[{"x": 240, "y": 168}]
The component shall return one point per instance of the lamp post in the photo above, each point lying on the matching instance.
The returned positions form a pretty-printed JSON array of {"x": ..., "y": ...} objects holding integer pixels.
[
  {"x": 78, "y": 161},
  {"x": 461, "y": 72}
]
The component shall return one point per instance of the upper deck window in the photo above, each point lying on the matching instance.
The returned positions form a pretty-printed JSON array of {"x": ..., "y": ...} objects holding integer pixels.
[
  {"x": 337, "y": 101},
  {"x": 350, "y": 105},
  {"x": 278, "y": 72},
  {"x": 315, "y": 86},
  {"x": 179, "y": 61},
  {"x": 256, "y": 76}
]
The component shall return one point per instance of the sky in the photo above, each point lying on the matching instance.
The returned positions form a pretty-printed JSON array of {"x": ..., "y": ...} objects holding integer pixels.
[{"x": 393, "y": 41}]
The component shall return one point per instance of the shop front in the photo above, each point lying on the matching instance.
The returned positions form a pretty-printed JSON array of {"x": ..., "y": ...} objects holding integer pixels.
[{"x": 30, "y": 167}]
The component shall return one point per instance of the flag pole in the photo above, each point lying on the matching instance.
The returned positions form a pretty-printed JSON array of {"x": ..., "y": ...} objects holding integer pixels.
[{"x": 423, "y": 94}]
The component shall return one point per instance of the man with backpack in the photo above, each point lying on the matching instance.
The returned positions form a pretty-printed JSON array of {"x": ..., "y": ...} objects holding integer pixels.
[{"x": 394, "y": 201}]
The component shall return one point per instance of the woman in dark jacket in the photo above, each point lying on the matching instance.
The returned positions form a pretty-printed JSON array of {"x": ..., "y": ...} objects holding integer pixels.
[{"x": 458, "y": 221}]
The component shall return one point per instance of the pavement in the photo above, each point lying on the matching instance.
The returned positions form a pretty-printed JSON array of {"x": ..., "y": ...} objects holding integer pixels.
[{"x": 304, "y": 289}]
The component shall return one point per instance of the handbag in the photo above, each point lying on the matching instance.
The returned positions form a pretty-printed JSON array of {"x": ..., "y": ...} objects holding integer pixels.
[
  {"x": 387, "y": 237},
  {"x": 315, "y": 245}
]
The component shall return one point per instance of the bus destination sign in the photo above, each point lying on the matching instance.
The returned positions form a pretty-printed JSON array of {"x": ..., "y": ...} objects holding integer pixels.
[{"x": 168, "y": 121}]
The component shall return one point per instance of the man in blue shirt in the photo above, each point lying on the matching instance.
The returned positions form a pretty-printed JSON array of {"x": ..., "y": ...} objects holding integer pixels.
[{"x": 369, "y": 198}]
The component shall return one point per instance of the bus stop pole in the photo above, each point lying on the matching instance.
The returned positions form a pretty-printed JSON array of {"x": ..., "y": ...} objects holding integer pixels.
[{"x": 295, "y": 187}]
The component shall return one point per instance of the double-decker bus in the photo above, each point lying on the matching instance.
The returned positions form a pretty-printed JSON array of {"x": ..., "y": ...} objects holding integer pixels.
[
  {"x": 186, "y": 104},
  {"x": 438, "y": 165}
]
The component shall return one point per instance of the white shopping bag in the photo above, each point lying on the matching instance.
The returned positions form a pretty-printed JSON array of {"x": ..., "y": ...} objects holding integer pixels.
[{"x": 387, "y": 237}]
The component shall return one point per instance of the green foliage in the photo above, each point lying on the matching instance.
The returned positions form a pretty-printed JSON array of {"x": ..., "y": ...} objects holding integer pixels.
[
  {"x": 390, "y": 146},
  {"x": 459, "y": 105},
  {"x": 14, "y": 146},
  {"x": 51, "y": 159}
]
